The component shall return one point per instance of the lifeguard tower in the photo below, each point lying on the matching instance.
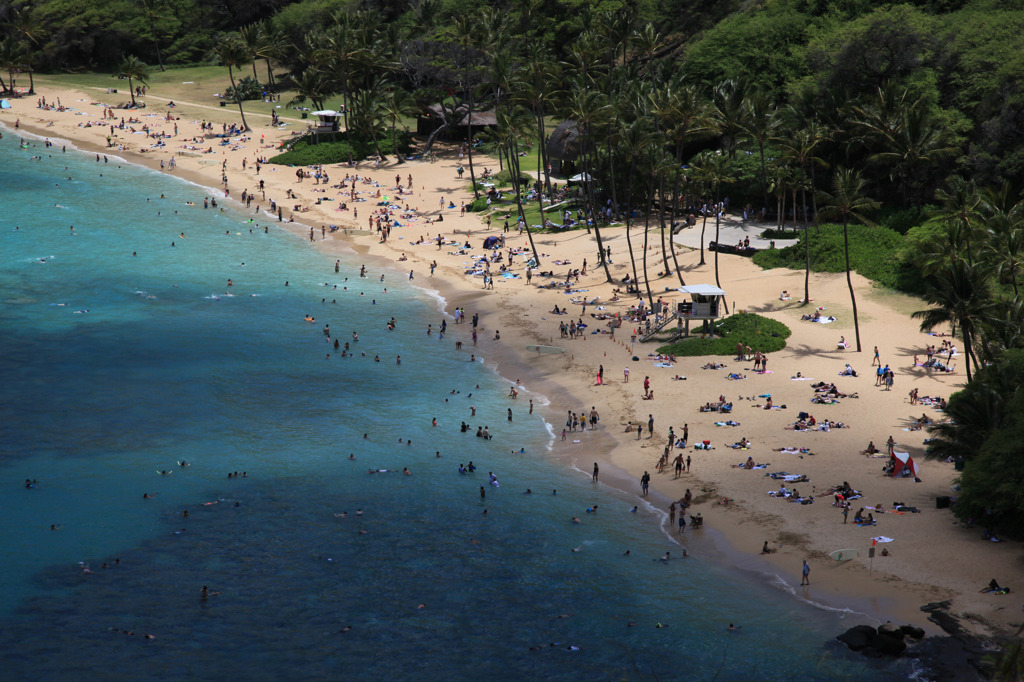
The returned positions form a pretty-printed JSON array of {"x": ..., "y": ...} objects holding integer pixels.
[
  {"x": 706, "y": 304},
  {"x": 327, "y": 121}
]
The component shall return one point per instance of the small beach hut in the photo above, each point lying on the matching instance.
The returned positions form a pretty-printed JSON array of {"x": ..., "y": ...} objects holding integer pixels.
[
  {"x": 705, "y": 305},
  {"x": 563, "y": 147},
  {"x": 434, "y": 117}
]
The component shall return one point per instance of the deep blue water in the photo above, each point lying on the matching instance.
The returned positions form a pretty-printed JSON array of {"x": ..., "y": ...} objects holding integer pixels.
[{"x": 165, "y": 366}]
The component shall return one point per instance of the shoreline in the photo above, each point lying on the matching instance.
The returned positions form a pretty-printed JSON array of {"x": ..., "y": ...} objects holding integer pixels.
[{"x": 556, "y": 378}]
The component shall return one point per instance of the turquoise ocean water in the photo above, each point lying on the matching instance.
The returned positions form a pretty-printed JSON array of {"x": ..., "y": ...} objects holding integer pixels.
[{"x": 116, "y": 366}]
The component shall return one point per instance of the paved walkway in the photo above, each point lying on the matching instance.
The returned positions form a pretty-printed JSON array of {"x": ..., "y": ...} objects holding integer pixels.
[{"x": 731, "y": 231}]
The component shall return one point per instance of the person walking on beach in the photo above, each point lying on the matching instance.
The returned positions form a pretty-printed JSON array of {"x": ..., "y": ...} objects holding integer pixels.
[
  {"x": 645, "y": 483},
  {"x": 650, "y": 426},
  {"x": 686, "y": 435},
  {"x": 687, "y": 464},
  {"x": 625, "y": 375},
  {"x": 596, "y": 472},
  {"x": 806, "y": 579},
  {"x": 876, "y": 361}
]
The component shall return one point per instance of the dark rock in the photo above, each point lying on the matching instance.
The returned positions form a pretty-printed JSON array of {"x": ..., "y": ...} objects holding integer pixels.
[
  {"x": 940, "y": 616},
  {"x": 858, "y": 637},
  {"x": 887, "y": 628},
  {"x": 888, "y": 645},
  {"x": 911, "y": 631}
]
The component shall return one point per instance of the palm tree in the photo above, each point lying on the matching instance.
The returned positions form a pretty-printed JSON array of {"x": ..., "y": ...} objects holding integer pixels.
[
  {"x": 313, "y": 85},
  {"x": 635, "y": 138},
  {"x": 960, "y": 294},
  {"x": 251, "y": 38},
  {"x": 848, "y": 200},
  {"x": 761, "y": 124},
  {"x": 270, "y": 46},
  {"x": 151, "y": 11},
  {"x": 700, "y": 178},
  {"x": 464, "y": 32},
  {"x": 733, "y": 115},
  {"x": 589, "y": 109},
  {"x": 905, "y": 136},
  {"x": 233, "y": 53},
  {"x": 23, "y": 22},
  {"x": 798, "y": 148},
  {"x": 134, "y": 70},
  {"x": 368, "y": 113},
  {"x": 684, "y": 113},
  {"x": 397, "y": 104},
  {"x": 513, "y": 123},
  {"x": 960, "y": 205},
  {"x": 1003, "y": 216},
  {"x": 715, "y": 169}
]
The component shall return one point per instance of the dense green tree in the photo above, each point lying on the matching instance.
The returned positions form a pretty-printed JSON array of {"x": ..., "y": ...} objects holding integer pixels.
[{"x": 985, "y": 428}]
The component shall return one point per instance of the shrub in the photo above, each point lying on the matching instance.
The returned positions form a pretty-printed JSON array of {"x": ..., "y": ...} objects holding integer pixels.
[
  {"x": 303, "y": 153},
  {"x": 248, "y": 88},
  {"x": 477, "y": 205},
  {"x": 875, "y": 252},
  {"x": 759, "y": 332},
  {"x": 504, "y": 179}
]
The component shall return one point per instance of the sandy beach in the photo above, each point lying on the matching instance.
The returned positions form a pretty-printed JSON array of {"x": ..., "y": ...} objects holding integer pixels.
[{"x": 930, "y": 557}]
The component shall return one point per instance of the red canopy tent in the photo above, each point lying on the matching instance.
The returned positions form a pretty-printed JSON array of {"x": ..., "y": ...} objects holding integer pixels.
[{"x": 904, "y": 460}]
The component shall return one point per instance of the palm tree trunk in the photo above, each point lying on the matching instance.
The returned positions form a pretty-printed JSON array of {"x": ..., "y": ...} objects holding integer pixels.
[
  {"x": 849, "y": 281},
  {"x": 469, "y": 136},
  {"x": 588, "y": 203},
  {"x": 807, "y": 256},
  {"x": 31, "y": 83},
  {"x": 703, "y": 228},
  {"x": 159, "y": 55},
  {"x": 513, "y": 165},
  {"x": 234, "y": 88},
  {"x": 647, "y": 229},
  {"x": 814, "y": 202},
  {"x": 968, "y": 352},
  {"x": 394, "y": 140},
  {"x": 718, "y": 245},
  {"x": 629, "y": 216},
  {"x": 764, "y": 175},
  {"x": 270, "y": 73},
  {"x": 131, "y": 91},
  {"x": 672, "y": 222},
  {"x": 661, "y": 219}
]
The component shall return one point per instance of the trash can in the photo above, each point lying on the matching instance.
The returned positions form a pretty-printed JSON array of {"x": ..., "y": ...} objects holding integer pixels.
[
  {"x": 223, "y": 103},
  {"x": 942, "y": 502},
  {"x": 305, "y": 114}
]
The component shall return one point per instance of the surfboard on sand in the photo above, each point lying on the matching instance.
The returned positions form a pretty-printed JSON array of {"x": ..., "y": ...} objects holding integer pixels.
[
  {"x": 844, "y": 554},
  {"x": 548, "y": 350}
]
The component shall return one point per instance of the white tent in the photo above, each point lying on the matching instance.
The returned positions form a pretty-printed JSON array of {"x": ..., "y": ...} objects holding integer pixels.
[{"x": 581, "y": 177}]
